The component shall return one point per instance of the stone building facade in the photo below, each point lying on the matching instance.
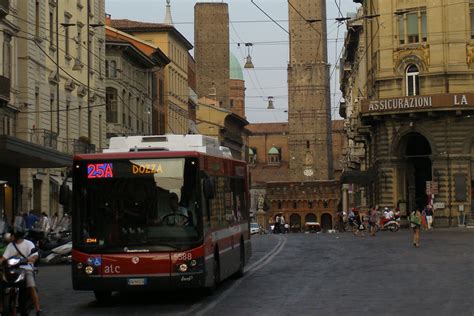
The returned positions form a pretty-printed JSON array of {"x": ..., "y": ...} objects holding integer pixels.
[
  {"x": 299, "y": 202},
  {"x": 176, "y": 89},
  {"x": 54, "y": 58},
  {"x": 409, "y": 107},
  {"x": 129, "y": 88}
]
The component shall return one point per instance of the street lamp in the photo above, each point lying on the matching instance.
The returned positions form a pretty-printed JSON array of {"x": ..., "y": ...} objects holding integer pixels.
[
  {"x": 248, "y": 64},
  {"x": 270, "y": 103}
]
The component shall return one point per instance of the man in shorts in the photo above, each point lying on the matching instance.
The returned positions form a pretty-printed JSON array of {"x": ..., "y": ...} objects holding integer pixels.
[{"x": 20, "y": 247}]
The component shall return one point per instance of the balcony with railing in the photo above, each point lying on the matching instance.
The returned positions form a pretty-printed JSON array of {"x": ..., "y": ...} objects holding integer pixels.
[
  {"x": 44, "y": 137},
  {"x": 74, "y": 146}
]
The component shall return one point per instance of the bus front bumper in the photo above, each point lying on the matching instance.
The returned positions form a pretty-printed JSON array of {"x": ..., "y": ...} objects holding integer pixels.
[{"x": 138, "y": 283}]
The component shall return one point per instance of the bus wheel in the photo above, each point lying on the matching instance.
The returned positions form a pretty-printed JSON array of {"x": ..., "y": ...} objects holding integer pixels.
[
  {"x": 216, "y": 270},
  {"x": 103, "y": 297},
  {"x": 240, "y": 272}
]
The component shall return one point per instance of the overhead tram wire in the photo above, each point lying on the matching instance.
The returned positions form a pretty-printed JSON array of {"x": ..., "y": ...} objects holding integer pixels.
[
  {"x": 259, "y": 86},
  {"x": 333, "y": 98},
  {"x": 274, "y": 21},
  {"x": 259, "y": 42}
]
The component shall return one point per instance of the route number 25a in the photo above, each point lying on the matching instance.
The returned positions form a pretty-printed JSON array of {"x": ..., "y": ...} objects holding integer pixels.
[{"x": 183, "y": 256}]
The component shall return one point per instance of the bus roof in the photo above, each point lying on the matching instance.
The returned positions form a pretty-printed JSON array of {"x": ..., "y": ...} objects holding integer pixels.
[
  {"x": 169, "y": 142},
  {"x": 162, "y": 146}
]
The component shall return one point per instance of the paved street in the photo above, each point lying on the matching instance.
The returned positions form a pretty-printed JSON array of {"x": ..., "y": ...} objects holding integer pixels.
[{"x": 312, "y": 274}]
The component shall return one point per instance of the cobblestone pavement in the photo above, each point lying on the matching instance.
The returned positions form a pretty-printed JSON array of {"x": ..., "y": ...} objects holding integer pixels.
[{"x": 312, "y": 274}]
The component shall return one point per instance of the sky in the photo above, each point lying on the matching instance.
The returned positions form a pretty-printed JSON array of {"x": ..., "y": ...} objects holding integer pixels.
[{"x": 270, "y": 44}]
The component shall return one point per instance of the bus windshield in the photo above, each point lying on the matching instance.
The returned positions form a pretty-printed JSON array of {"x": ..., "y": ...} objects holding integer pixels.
[{"x": 137, "y": 202}]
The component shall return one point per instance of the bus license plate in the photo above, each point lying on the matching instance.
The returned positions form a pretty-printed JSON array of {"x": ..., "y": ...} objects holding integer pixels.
[{"x": 136, "y": 282}]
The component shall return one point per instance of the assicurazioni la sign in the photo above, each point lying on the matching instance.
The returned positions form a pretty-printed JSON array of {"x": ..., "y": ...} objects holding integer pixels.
[{"x": 420, "y": 103}]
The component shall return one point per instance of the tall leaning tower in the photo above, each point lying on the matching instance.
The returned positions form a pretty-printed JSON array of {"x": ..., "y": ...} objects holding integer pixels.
[
  {"x": 309, "y": 113},
  {"x": 211, "y": 51}
]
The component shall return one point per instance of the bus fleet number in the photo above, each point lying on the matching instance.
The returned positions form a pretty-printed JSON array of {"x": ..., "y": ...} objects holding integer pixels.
[{"x": 183, "y": 256}]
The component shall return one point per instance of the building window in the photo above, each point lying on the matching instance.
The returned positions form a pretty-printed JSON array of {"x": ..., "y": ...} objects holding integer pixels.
[
  {"x": 51, "y": 27},
  {"x": 66, "y": 36},
  {"x": 99, "y": 61},
  {"x": 274, "y": 155},
  {"x": 472, "y": 22},
  {"x": 37, "y": 18},
  {"x": 252, "y": 155},
  {"x": 412, "y": 27},
  {"x": 310, "y": 204},
  {"x": 111, "y": 69},
  {"x": 295, "y": 205},
  {"x": 412, "y": 81},
  {"x": 279, "y": 205},
  {"x": 79, "y": 42},
  {"x": 111, "y": 101},
  {"x": 7, "y": 56}
]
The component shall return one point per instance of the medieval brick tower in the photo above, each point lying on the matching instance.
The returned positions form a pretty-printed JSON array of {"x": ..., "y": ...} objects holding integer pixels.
[
  {"x": 211, "y": 38},
  {"x": 309, "y": 113}
]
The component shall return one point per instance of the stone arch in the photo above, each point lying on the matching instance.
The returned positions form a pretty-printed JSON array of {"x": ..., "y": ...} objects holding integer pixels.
[
  {"x": 326, "y": 221},
  {"x": 399, "y": 138},
  {"x": 310, "y": 217},
  {"x": 412, "y": 59},
  {"x": 295, "y": 222}
]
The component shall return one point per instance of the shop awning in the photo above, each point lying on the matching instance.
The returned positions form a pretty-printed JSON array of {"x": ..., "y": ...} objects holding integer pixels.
[
  {"x": 358, "y": 177},
  {"x": 19, "y": 153}
]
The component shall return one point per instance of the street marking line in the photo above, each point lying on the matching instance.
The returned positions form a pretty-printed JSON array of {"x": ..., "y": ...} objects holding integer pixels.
[{"x": 249, "y": 271}]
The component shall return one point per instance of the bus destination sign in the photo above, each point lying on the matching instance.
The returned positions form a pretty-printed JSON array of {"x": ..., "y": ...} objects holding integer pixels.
[{"x": 99, "y": 170}]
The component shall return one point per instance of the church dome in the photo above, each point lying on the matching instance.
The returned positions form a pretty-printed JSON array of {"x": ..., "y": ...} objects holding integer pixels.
[{"x": 235, "y": 68}]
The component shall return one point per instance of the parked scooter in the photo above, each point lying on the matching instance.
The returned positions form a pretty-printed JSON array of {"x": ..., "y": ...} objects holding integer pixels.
[
  {"x": 392, "y": 225},
  {"x": 57, "y": 250},
  {"x": 55, "y": 246},
  {"x": 15, "y": 295}
]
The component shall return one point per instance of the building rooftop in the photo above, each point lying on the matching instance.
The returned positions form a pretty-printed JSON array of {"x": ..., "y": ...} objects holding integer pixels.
[
  {"x": 131, "y": 26},
  {"x": 268, "y": 128}
]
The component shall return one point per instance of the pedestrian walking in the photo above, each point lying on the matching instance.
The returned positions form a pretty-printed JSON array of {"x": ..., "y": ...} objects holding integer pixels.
[
  {"x": 373, "y": 216},
  {"x": 429, "y": 217},
  {"x": 415, "y": 223},
  {"x": 423, "y": 219}
]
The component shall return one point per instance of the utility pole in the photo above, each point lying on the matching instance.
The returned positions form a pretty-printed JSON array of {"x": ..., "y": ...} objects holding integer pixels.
[
  {"x": 57, "y": 72},
  {"x": 89, "y": 114}
]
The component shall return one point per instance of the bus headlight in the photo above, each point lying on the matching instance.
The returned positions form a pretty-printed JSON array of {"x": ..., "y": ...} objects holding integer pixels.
[
  {"x": 89, "y": 270},
  {"x": 183, "y": 267},
  {"x": 79, "y": 266},
  {"x": 193, "y": 263}
]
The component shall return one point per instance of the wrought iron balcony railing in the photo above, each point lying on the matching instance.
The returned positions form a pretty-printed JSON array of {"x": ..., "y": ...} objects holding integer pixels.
[
  {"x": 74, "y": 146},
  {"x": 44, "y": 137}
]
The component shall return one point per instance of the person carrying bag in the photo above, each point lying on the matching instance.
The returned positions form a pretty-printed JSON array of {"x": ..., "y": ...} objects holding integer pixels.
[{"x": 415, "y": 223}]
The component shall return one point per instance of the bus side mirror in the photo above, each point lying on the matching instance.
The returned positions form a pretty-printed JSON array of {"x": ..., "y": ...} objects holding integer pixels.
[{"x": 208, "y": 186}]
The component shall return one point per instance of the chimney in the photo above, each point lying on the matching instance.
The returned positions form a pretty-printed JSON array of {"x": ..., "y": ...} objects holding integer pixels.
[{"x": 108, "y": 19}]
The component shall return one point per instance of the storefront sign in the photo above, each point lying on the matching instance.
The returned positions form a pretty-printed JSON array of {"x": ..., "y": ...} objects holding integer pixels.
[
  {"x": 419, "y": 103},
  {"x": 438, "y": 205}
]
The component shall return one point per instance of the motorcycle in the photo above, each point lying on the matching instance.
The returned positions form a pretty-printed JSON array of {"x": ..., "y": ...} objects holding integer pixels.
[
  {"x": 15, "y": 294},
  {"x": 392, "y": 225},
  {"x": 57, "y": 250},
  {"x": 55, "y": 246}
]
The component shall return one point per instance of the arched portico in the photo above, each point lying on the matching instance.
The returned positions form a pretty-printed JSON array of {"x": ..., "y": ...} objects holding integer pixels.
[{"x": 414, "y": 153}]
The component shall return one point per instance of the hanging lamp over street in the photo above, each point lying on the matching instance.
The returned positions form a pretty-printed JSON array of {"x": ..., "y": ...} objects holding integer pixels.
[
  {"x": 248, "y": 63},
  {"x": 270, "y": 104}
]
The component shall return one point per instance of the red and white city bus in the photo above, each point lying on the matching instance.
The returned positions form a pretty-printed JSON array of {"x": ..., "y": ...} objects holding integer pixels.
[{"x": 127, "y": 232}]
